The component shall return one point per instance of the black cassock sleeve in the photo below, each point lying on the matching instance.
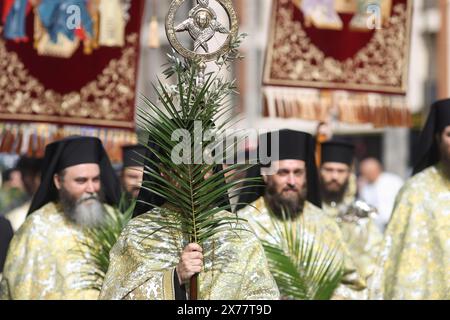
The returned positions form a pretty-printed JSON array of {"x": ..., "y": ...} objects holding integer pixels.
[
  {"x": 180, "y": 291},
  {"x": 6, "y": 234}
]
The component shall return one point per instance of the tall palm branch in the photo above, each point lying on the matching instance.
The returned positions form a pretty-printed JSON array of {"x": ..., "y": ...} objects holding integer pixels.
[
  {"x": 302, "y": 268},
  {"x": 193, "y": 187}
]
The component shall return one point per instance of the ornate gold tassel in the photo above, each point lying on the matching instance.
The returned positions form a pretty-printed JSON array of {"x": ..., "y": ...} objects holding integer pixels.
[
  {"x": 153, "y": 36},
  {"x": 18, "y": 145},
  {"x": 30, "y": 151},
  {"x": 38, "y": 29},
  {"x": 95, "y": 14},
  {"x": 153, "y": 32},
  {"x": 7, "y": 142}
]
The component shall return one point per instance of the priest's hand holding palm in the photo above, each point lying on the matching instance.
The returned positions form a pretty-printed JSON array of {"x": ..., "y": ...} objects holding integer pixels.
[{"x": 191, "y": 262}]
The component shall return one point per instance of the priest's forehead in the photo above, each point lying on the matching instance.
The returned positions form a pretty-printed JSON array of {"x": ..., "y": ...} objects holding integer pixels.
[
  {"x": 447, "y": 129},
  {"x": 88, "y": 170},
  {"x": 334, "y": 165},
  {"x": 288, "y": 165}
]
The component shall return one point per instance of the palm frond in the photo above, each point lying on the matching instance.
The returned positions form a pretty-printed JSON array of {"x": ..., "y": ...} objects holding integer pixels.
[
  {"x": 197, "y": 199},
  {"x": 302, "y": 268},
  {"x": 183, "y": 185}
]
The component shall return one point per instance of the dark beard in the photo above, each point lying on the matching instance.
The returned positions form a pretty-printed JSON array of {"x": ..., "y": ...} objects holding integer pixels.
[
  {"x": 81, "y": 213},
  {"x": 445, "y": 160},
  {"x": 446, "y": 167},
  {"x": 284, "y": 208},
  {"x": 333, "y": 196}
]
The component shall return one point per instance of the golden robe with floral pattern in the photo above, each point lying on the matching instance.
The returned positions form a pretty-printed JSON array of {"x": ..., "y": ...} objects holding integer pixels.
[
  {"x": 321, "y": 228},
  {"x": 18, "y": 216},
  {"x": 44, "y": 261},
  {"x": 362, "y": 236},
  {"x": 415, "y": 254},
  {"x": 143, "y": 263}
]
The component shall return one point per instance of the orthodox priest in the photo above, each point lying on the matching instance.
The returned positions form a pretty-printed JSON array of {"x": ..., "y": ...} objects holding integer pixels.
[
  {"x": 30, "y": 169},
  {"x": 152, "y": 263},
  {"x": 415, "y": 254},
  {"x": 44, "y": 260},
  {"x": 132, "y": 170},
  {"x": 292, "y": 192},
  {"x": 354, "y": 217}
]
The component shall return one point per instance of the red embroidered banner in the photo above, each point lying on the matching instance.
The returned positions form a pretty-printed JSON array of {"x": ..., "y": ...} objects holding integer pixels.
[
  {"x": 89, "y": 80},
  {"x": 347, "y": 58}
]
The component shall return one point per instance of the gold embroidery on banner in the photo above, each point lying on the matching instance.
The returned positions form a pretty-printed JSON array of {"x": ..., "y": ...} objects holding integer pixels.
[
  {"x": 380, "y": 66},
  {"x": 107, "y": 100}
]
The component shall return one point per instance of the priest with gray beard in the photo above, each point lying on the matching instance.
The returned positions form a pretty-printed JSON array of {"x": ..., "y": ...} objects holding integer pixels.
[{"x": 78, "y": 186}]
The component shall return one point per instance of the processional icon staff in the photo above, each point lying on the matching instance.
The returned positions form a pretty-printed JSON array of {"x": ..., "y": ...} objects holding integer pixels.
[{"x": 202, "y": 24}]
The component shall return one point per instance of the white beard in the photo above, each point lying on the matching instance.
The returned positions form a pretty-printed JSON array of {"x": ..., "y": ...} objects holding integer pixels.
[{"x": 87, "y": 211}]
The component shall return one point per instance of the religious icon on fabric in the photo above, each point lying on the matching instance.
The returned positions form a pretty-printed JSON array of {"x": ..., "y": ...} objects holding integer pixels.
[
  {"x": 348, "y": 59},
  {"x": 14, "y": 16},
  {"x": 79, "y": 65},
  {"x": 60, "y": 26},
  {"x": 327, "y": 14}
]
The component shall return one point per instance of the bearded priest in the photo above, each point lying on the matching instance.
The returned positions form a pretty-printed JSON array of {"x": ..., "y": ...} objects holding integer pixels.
[
  {"x": 415, "y": 254},
  {"x": 44, "y": 260}
]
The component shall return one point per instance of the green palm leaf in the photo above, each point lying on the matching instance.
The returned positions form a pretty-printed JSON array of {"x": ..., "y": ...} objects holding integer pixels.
[
  {"x": 191, "y": 186},
  {"x": 183, "y": 186},
  {"x": 302, "y": 268}
]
